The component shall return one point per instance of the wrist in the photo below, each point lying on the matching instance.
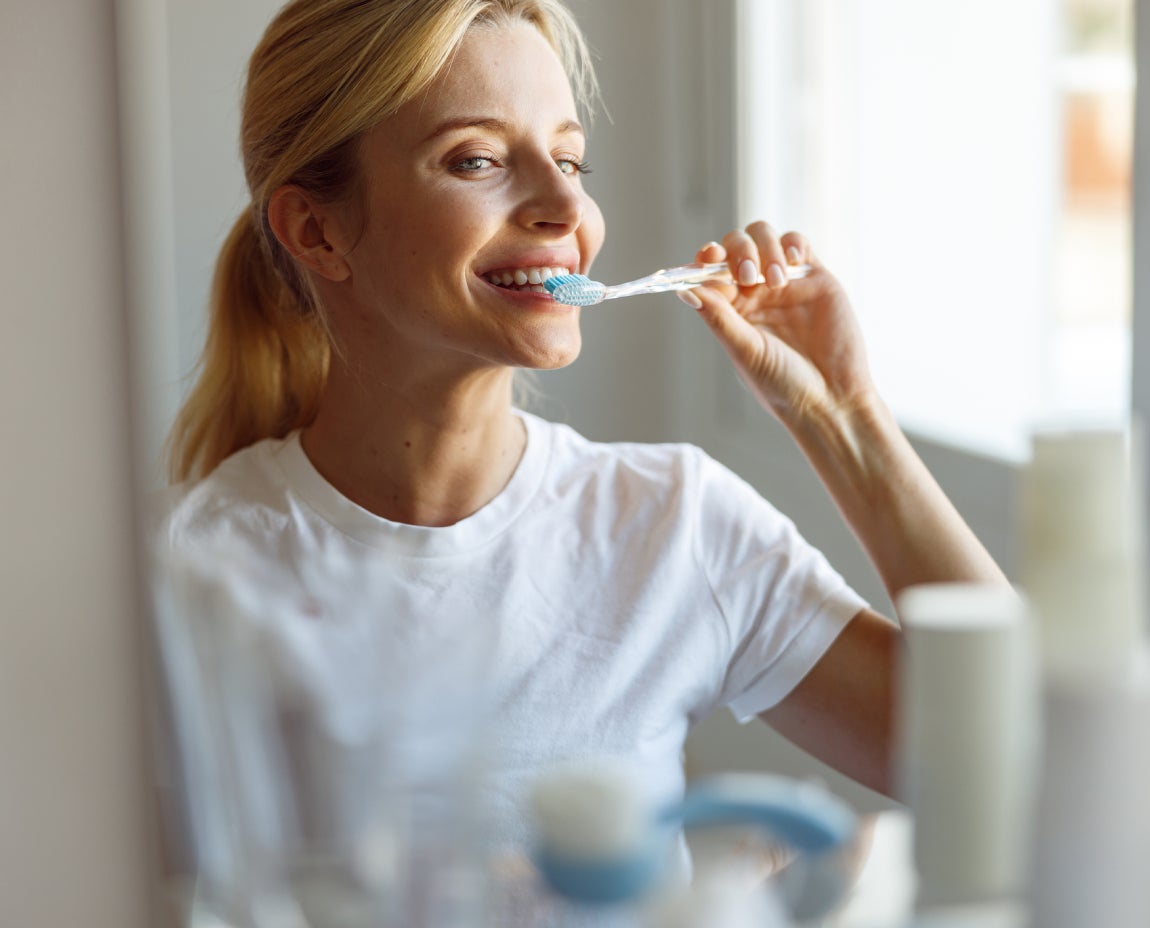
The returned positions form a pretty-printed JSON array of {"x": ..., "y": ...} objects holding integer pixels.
[
  {"x": 886, "y": 494},
  {"x": 853, "y": 431},
  {"x": 862, "y": 458}
]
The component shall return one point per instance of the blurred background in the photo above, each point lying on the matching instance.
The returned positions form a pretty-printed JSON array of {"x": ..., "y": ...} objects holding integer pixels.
[{"x": 974, "y": 173}]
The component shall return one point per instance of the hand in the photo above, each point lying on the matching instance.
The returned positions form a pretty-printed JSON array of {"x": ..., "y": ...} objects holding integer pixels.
[{"x": 796, "y": 344}]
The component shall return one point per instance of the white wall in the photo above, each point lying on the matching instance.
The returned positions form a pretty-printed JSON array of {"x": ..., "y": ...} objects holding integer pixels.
[
  {"x": 73, "y": 806},
  {"x": 188, "y": 59},
  {"x": 209, "y": 45}
]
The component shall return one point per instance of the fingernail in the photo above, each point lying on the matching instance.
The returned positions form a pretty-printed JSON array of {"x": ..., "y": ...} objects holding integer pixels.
[
  {"x": 775, "y": 276},
  {"x": 748, "y": 273},
  {"x": 793, "y": 255},
  {"x": 689, "y": 297}
]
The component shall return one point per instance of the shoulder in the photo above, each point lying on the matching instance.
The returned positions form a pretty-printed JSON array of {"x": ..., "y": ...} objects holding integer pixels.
[
  {"x": 575, "y": 460},
  {"x": 665, "y": 473},
  {"x": 244, "y": 489}
]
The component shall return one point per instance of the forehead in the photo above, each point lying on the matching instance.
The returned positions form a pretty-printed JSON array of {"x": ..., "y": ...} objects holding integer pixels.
[{"x": 508, "y": 71}]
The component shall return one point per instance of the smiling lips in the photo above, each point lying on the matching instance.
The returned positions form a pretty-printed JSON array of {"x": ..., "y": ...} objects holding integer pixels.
[{"x": 524, "y": 278}]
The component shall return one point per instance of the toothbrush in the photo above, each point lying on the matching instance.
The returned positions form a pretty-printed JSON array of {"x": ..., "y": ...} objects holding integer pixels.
[
  {"x": 600, "y": 843},
  {"x": 580, "y": 290}
]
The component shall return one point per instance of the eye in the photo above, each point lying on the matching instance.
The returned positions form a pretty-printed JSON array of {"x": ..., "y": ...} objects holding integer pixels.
[
  {"x": 473, "y": 164},
  {"x": 573, "y": 166}
]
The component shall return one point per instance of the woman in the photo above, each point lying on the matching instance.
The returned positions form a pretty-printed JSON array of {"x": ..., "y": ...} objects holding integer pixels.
[{"x": 415, "y": 170}]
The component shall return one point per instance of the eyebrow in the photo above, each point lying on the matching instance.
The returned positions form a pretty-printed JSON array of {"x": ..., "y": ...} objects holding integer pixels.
[{"x": 492, "y": 124}]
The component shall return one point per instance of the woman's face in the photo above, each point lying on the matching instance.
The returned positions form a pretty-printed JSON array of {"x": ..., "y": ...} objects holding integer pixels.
[{"x": 476, "y": 179}]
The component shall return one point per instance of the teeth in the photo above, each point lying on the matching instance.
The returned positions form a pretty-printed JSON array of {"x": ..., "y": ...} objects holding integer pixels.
[{"x": 530, "y": 277}]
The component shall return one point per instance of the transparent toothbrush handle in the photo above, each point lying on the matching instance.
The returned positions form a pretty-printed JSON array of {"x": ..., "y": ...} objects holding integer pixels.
[{"x": 691, "y": 275}]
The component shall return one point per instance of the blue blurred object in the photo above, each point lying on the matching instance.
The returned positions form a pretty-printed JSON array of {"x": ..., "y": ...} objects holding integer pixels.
[
  {"x": 805, "y": 817},
  {"x": 802, "y": 815},
  {"x": 605, "y": 881}
]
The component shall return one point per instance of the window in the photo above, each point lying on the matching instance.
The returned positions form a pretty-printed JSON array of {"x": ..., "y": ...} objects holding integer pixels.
[{"x": 965, "y": 170}]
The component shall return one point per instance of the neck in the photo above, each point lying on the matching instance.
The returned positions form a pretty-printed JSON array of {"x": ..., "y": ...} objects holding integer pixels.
[{"x": 422, "y": 455}]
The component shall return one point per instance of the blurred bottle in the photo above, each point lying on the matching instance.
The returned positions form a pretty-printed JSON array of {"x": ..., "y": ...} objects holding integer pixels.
[
  {"x": 1082, "y": 566},
  {"x": 968, "y": 750}
]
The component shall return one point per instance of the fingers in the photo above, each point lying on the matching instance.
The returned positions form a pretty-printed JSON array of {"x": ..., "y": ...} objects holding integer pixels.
[
  {"x": 776, "y": 252},
  {"x": 743, "y": 257},
  {"x": 798, "y": 249},
  {"x": 757, "y": 255},
  {"x": 710, "y": 253},
  {"x": 759, "y": 250}
]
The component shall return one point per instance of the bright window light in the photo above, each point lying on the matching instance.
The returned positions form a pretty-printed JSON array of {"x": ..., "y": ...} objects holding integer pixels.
[{"x": 965, "y": 170}]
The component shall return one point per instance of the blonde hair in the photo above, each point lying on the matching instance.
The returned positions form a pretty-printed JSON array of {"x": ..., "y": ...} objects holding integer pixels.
[{"x": 324, "y": 73}]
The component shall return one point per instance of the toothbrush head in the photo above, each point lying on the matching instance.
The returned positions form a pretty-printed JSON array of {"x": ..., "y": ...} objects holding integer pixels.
[{"x": 575, "y": 289}]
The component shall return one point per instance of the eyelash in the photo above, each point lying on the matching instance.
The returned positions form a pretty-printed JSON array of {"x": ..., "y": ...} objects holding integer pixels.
[
  {"x": 459, "y": 167},
  {"x": 581, "y": 167}
]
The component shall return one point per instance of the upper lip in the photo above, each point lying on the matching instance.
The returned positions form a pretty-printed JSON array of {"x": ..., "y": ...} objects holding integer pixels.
[{"x": 568, "y": 258}]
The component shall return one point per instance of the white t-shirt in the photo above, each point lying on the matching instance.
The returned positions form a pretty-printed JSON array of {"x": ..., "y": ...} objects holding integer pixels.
[{"x": 609, "y": 597}]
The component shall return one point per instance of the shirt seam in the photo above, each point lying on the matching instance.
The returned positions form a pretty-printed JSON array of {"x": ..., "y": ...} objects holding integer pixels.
[{"x": 819, "y": 611}]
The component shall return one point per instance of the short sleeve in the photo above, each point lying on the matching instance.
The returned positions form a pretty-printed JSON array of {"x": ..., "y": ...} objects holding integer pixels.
[{"x": 781, "y": 601}]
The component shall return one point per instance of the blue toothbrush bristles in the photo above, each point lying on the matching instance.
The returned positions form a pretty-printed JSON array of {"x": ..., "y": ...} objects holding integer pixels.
[
  {"x": 575, "y": 289},
  {"x": 559, "y": 280}
]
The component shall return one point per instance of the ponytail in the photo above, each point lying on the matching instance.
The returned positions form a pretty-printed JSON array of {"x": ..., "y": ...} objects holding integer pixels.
[{"x": 263, "y": 366}]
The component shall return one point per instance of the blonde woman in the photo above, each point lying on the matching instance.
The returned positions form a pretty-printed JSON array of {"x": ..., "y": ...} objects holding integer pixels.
[{"x": 415, "y": 167}]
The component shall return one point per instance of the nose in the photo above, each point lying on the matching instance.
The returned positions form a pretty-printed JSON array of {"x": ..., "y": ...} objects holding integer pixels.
[{"x": 552, "y": 200}]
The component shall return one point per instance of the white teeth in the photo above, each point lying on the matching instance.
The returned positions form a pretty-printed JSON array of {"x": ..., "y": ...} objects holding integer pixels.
[{"x": 532, "y": 277}]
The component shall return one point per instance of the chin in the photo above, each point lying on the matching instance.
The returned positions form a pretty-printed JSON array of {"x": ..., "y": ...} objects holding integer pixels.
[
  {"x": 550, "y": 352},
  {"x": 560, "y": 358}
]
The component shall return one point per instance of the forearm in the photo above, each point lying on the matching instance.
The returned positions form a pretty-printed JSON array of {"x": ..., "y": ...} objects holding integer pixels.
[
  {"x": 798, "y": 347},
  {"x": 908, "y": 527}
]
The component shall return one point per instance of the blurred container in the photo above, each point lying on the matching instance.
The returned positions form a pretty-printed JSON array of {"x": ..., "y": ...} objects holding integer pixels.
[
  {"x": 1082, "y": 564},
  {"x": 968, "y": 741}
]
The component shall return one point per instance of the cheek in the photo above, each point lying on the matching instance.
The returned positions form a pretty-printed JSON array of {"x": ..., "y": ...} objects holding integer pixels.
[{"x": 450, "y": 228}]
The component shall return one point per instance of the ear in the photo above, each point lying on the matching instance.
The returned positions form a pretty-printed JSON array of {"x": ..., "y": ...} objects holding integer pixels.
[{"x": 302, "y": 227}]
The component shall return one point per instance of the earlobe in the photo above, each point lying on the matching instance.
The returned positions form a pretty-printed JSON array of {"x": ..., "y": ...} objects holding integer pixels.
[{"x": 300, "y": 227}]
